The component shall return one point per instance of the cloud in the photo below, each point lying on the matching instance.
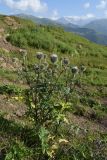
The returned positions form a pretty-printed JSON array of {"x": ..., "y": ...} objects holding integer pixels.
[
  {"x": 79, "y": 18},
  {"x": 24, "y": 5},
  {"x": 55, "y": 15},
  {"x": 86, "y": 5},
  {"x": 102, "y": 4},
  {"x": 105, "y": 13}
]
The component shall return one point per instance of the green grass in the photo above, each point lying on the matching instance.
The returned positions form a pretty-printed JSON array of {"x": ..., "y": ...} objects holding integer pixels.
[
  {"x": 11, "y": 54},
  {"x": 9, "y": 75}
]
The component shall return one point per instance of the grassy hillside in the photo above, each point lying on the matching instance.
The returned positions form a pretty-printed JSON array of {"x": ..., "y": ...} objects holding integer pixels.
[
  {"x": 53, "y": 39},
  {"x": 85, "y": 136},
  {"x": 94, "y": 31}
]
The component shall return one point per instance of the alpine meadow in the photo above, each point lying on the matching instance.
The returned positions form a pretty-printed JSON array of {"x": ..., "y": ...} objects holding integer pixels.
[{"x": 53, "y": 89}]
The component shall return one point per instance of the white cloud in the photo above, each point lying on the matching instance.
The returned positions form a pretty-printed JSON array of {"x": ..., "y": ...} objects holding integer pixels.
[
  {"x": 55, "y": 15},
  {"x": 102, "y": 4},
  {"x": 79, "y": 18},
  {"x": 86, "y": 5},
  {"x": 105, "y": 13},
  {"x": 23, "y": 5}
]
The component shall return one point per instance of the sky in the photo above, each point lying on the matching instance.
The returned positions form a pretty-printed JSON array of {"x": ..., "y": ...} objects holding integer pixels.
[{"x": 54, "y": 9}]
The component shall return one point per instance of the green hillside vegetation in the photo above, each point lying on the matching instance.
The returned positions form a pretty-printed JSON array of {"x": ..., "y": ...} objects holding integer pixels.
[
  {"x": 38, "y": 123},
  {"x": 91, "y": 34},
  {"x": 95, "y": 31},
  {"x": 53, "y": 39}
]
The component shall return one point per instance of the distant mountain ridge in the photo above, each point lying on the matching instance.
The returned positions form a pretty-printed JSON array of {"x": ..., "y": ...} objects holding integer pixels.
[
  {"x": 46, "y": 21},
  {"x": 74, "y": 20},
  {"x": 99, "y": 25},
  {"x": 91, "y": 31}
]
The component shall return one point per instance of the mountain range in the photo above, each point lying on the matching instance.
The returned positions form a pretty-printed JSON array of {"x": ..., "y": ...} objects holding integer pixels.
[
  {"x": 99, "y": 25},
  {"x": 95, "y": 30}
]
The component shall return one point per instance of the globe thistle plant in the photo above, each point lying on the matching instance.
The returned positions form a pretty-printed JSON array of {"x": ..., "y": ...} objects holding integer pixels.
[{"x": 51, "y": 91}]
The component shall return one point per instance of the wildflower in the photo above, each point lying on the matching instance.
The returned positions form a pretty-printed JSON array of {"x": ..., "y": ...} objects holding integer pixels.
[
  {"x": 75, "y": 70},
  {"x": 37, "y": 68},
  {"x": 54, "y": 58},
  {"x": 40, "y": 55}
]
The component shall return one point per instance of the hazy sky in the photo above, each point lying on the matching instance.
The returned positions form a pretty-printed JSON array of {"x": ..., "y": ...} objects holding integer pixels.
[{"x": 56, "y": 8}]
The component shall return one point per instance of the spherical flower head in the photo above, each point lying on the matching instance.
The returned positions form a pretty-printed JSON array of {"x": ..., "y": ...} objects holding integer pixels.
[
  {"x": 75, "y": 70},
  {"x": 54, "y": 58},
  {"x": 40, "y": 55},
  {"x": 37, "y": 68},
  {"x": 65, "y": 61}
]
